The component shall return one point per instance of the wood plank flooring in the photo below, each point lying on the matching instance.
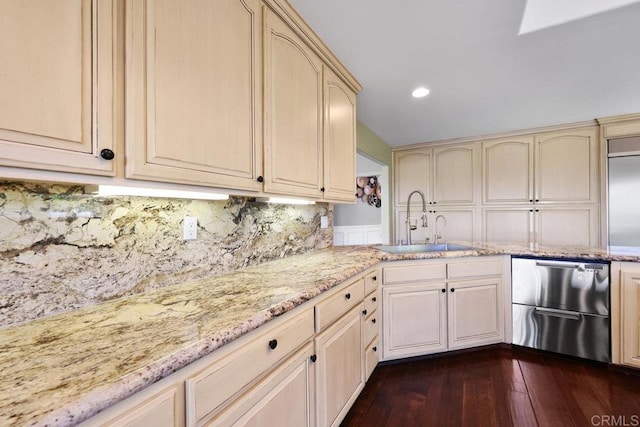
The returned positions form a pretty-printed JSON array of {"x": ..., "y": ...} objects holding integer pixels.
[{"x": 498, "y": 386}]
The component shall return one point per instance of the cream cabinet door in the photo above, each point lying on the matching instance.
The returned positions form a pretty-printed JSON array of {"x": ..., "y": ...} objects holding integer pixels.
[
  {"x": 456, "y": 172},
  {"x": 567, "y": 225},
  {"x": 475, "y": 313},
  {"x": 285, "y": 398},
  {"x": 414, "y": 320},
  {"x": 630, "y": 318},
  {"x": 412, "y": 171},
  {"x": 507, "y": 170},
  {"x": 339, "y": 139},
  {"x": 193, "y": 92},
  {"x": 455, "y": 224},
  {"x": 293, "y": 85},
  {"x": 566, "y": 166},
  {"x": 56, "y": 63},
  {"x": 508, "y": 225},
  {"x": 339, "y": 367}
]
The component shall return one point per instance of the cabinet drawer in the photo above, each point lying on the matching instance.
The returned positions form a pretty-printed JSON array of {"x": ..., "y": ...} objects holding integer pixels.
[
  {"x": 335, "y": 307},
  {"x": 413, "y": 273},
  {"x": 475, "y": 269},
  {"x": 211, "y": 388},
  {"x": 371, "y": 302},
  {"x": 371, "y": 327},
  {"x": 371, "y": 359},
  {"x": 370, "y": 282}
]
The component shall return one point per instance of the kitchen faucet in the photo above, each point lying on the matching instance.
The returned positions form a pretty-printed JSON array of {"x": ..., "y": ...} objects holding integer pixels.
[
  {"x": 438, "y": 236},
  {"x": 424, "y": 214}
]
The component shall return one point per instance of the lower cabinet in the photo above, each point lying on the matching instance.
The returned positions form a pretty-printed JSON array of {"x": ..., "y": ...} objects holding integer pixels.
[
  {"x": 415, "y": 319},
  {"x": 284, "y": 398},
  {"x": 630, "y": 315},
  {"x": 339, "y": 367},
  {"x": 436, "y": 306}
]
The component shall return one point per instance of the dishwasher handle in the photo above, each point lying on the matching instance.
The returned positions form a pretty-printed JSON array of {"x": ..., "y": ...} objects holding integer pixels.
[
  {"x": 575, "y": 265},
  {"x": 554, "y": 312}
]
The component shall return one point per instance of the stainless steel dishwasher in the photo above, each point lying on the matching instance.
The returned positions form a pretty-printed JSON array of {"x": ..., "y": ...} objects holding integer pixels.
[{"x": 562, "y": 306}]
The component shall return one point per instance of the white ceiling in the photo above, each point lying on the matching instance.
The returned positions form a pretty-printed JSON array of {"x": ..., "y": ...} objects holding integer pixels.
[{"x": 483, "y": 77}]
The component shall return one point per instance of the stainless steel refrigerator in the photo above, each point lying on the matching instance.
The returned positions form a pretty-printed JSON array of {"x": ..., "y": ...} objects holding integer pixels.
[{"x": 624, "y": 192}]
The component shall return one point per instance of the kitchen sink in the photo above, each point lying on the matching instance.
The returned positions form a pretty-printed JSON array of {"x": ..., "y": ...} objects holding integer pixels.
[{"x": 429, "y": 247}]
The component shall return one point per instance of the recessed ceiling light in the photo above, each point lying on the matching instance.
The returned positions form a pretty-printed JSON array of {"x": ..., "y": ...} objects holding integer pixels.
[{"x": 420, "y": 92}]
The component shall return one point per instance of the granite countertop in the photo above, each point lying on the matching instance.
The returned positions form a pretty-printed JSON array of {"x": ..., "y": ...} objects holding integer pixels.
[{"x": 62, "y": 369}]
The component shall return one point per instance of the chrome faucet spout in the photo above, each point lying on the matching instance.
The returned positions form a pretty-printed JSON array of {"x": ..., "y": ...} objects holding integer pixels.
[
  {"x": 438, "y": 236},
  {"x": 424, "y": 214}
]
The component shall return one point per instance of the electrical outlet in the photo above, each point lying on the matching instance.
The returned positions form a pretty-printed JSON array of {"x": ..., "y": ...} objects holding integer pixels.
[
  {"x": 190, "y": 228},
  {"x": 324, "y": 221}
]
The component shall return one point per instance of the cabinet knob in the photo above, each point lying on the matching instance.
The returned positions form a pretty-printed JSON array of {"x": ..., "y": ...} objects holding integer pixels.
[
  {"x": 530, "y": 210},
  {"x": 374, "y": 299},
  {"x": 322, "y": 189},
  {"x": 530, "y": 200},
  {"x": 537, "y": 200},
  {"x": 273, "y": 344},
  {"x": 314, "y": 358},
  {"x": 348, "y": 296},
  {"x": 260, "y": 178},
  {"x": 443, "y": 290},
  {"x": 453, "y": 289},
  {"x": 107, "y": 154},
  {"x": 373, "y": 320},
  {"x": 364, "y": 312},
  {"x": 537, "y": 210},
  {"x": 434, "y": 203},
  {"x": 375, "y": 348},
  {"x": 375, "y": 277}
]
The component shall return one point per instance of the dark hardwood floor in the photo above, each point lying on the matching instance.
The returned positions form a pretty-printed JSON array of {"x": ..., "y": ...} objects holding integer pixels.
[{"x": 498, "y": 386}]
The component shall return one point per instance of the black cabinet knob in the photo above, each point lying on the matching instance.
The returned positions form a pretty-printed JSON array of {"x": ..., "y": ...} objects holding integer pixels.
[
  {"x": 434, "y": 203},
  {"x": 273, "y": 344},
  {"x": 530, "y": 200},
  {"x": 260, "y": 178},
  {"x": 348, "y": 296},
  {"x": 373, "y": 320},
  {"x": 443, "y": 291},
  {"x": 537, "y": 210},
  {"x": 375, "y": 349},
  {"x": 537, "y": 200},
  {"x": 374, "y": 299},
  {"x": 364, "y": 312},
  {"x": 314, "y": 358},
  {"x": 322, "y": 189},
  {"x": 107, "y": 154},
  {"x": 530, "y": 210},
  {"x": 453, "y": 289},
  {"x": 375, "y": 277}
]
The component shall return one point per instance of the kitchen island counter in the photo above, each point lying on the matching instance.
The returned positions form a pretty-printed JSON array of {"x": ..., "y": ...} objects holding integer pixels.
[{"x": 62, "y": 369}]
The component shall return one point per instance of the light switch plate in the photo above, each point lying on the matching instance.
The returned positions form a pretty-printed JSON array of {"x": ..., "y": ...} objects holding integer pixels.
[{"x": 324, "y": 221}]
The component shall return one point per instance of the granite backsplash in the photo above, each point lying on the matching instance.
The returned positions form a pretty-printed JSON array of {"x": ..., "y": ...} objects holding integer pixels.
[{"x": 61, "y": 249}]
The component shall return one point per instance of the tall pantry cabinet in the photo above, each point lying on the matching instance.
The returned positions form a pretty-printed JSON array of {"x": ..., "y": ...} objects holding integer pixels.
[
  {"x": 542, "y": 188},
  {"x": 529, "y": 189},
  {"x": 449, "y": 178}
]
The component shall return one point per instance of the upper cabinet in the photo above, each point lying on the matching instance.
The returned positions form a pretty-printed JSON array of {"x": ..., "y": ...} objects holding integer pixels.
[
  {"x": 566, "y": 166},
  {"x": 193, "y": 91},
  {"x": 559, "y": 167},
  {"x": 412, "y": 171},
  {"x": 339, "y": 139},
  {"x": 446, "y": 175},
  {"x": 234, "y": 94},
  {"x": 56, "y": 61},
  {"x": 508, "y": 170},
  {"x": 293, "y": 86}
]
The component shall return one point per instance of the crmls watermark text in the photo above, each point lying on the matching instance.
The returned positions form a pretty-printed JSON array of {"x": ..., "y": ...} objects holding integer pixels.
[{"x": 615, "y": 420}]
